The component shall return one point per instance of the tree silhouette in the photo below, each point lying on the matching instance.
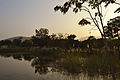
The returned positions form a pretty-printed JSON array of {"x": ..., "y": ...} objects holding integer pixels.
[
  {"x": 60, "y": 36},
  {"x": 80, "y": 5},
  {"x": 91, "y": 38},
  {"x": 72, "y": 36},
  {"x": 41, "y": 38},
  {"x": 16, "y": 42},
  {"x": 53, "y": 36},
  {"x": 42, "y": 33},
  {"x": 6, "y": 42},
  {"x": 27, "y": 43},
  {"x": 113, "y": 27}
]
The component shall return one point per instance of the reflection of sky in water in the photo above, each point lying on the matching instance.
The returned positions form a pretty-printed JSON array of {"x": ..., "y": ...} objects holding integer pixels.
[{"x": 12, "y": 69}]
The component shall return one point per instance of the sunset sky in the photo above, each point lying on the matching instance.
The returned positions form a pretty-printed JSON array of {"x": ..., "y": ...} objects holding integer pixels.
[{"x": 22, "y": 17}]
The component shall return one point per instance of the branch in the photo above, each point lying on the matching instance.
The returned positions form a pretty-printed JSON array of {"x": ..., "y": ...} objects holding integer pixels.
[
  {"x": 96, "y": 21},
  {"x": 100, "y": 19},
  {"x": 85, "y": 8},
  {"x": 96, "y": 24},
  {"x": 104, "y": 15},
  {"x": 88, "y": 18},
  {"x": 117, "y": 3},
  {"x": 92, "y": 28},
  {"x": 101, "y": 9}
]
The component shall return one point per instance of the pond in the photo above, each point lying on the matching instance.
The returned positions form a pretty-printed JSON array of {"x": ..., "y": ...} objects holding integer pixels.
[{"x": 29, "y": 67}]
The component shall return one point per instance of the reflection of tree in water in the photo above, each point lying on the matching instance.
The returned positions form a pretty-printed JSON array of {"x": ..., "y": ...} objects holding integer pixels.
[
  {"x": 43, "y": 65},
  {"x": 92, "y": 65},
  {"x": 19, "y": 57},
  {"x": 26, "y": 57}
]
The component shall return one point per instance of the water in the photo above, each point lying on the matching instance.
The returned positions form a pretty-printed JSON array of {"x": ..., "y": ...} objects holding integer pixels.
[{"x": 30, "y": 67}]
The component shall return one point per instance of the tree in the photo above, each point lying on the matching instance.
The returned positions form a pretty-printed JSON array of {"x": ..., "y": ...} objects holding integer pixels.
[
  {"x": 91, "y": 42},
  {"x": 36, "y": 41},
  {"x": 113, "y": 27},
  {"x": 6, "y": 42},
  {"x": 16, "y": 42},
  {"x": 91, "y": 38},
  {"x": 80, "y": 5},
  {"x": 53, "y": 36},
  {"x": 27, "y": 43},
  {"x": 42, "y": 33},
  {"x": 72, "y": 36},
  {"x": 60, "y": 36},
  {"x": 41, "y": 38}
]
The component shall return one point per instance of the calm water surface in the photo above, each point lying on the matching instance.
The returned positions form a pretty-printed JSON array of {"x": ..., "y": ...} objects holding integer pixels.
[{"x": 18, "y": 68}]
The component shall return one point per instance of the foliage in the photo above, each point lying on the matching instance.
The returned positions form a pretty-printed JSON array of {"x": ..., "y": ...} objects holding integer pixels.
[
  {"x": 16, "y": 42},
  {"x": 90, "y": 64},
  {"x": 53, "y": 36},
  {"x": 84, "y": 5},
  {"x": 72, "y": 63},
  {"x": 41, "y": 37},
  {"x": 42, "y": 33},
  {"x": 13, "y": 50},
  {"x": 27, "y": 43},
  {"x": 84, "y": 22},
  {"x": 91, "y": 38},
  {"x": 66, "y": 42},
  {"x": 72, "y": 36},
  {"x": 6, "y": 42},
  {"x": 113, "y": 27},
  {"x": 102, "y": 64}
]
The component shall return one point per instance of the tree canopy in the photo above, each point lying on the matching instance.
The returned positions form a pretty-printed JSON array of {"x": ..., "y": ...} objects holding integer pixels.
[
  {"x": 42, "y": 33},
  {"x": 80, "y": 5},
  {"x": 72, "y": 36},
  {"x": 113, "y": 28}
]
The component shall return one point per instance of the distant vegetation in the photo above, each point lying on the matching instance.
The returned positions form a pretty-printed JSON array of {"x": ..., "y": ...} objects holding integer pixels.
[
  {"x": 42, "y": 39},
  {"x": 67, "y": 63},
  {"x": 92, "y": 56},
  {"x": 108, "y": 43}
]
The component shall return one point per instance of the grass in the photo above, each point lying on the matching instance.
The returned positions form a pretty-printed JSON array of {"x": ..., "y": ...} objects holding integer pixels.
[
  {"x": 13, "y": 50},
  {"x": 92, "y": 65},
  {"x": 73, "y": 63}
]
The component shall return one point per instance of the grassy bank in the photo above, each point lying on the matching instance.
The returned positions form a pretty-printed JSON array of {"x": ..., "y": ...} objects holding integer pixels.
[
  {"x": 72, "y": 63},
  {"x": 92, "y": 64},
  {"x": 13, "y": 50}
]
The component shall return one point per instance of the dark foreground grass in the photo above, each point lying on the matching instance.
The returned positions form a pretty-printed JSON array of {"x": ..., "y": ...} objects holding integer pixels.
[
  {"x": 72, "y": 63},
  {"x": 13, "y": 50},
  {"x": 92, "y": 65}
]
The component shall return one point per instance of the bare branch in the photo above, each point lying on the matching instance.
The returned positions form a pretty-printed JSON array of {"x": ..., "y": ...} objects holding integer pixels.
[{"x": 117, "y": 3}]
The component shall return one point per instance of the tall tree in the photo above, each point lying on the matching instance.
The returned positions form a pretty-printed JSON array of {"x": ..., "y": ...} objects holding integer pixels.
[{"x": 80, "y": 5}]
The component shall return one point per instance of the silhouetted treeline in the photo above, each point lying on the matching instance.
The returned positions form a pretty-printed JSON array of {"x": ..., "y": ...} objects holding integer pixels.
[{"x": 42, "y": 38}]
